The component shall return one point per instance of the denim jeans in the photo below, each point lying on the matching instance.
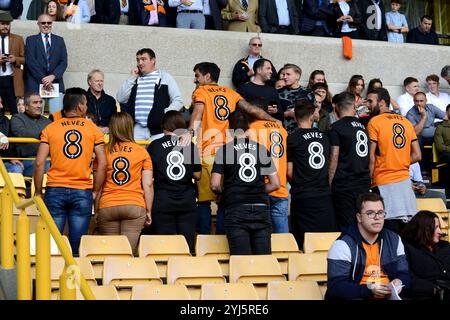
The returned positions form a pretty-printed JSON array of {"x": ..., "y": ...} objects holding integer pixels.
[
  {"x": 29, "y": 167},
  {"x": 204, "y": 218},
  {"x": 279, "y": 214},
  {"x": 248, "y": 229},
  {"x": 73, "y": 205},
  {"x": 12, "y": 168}
]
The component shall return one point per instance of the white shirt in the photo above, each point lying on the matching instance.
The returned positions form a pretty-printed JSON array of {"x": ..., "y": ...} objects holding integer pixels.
[
  {"x": 123, "y": 9},
  {"x": 9, "y": 69},
  {"x": 283, "y": 13},
  {"x": 345, "y": 8},
  {"x": 406, "y": 102},
  {"x": 441, "y": 102},
  {"x": 206, "y": 8},
  {"x": 49, "y": 39},
  {"x": 378, "y": 12}
]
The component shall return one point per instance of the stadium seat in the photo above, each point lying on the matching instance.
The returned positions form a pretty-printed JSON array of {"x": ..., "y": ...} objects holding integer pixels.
[
  {"x": 283, "y": 244},
  {"x": 193, "y": 272},
  {"x": 97, "y": 248},
  {"x": 216, "y": 246},
  {"x": 228, "y": 291},
  {"x": 125, "y": 272},
  {"x": 308, "y": 266},
  {"x": 319, "y": 241},
  {"x": 108, "y": 292},
  {"x": 256, "y": 269},
  {"x": 160, "y": 292},
  {"x": 293, "y": 290},
  {"x": 54, "y": 251},
  {"x": 18, "y": 183},
  {"x": 44, "y": 184},
  {"x": 161, "y": 247}
]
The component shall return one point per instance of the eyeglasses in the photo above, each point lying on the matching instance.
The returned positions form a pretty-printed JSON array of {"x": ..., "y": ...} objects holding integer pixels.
[
  {"x": 256, "y": 44},
  {"x": 48, "y": 23},
  {"x": 371, "y": 214}
]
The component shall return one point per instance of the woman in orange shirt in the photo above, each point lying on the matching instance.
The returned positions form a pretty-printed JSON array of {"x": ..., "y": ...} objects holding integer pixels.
[{"x": 127, "y": 196}]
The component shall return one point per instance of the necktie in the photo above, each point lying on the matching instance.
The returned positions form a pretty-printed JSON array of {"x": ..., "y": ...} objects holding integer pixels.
[
  {"x": 47, "y": 50},
  {"x": 3, "y": 52},
  {"x": 245, "y": 4}
]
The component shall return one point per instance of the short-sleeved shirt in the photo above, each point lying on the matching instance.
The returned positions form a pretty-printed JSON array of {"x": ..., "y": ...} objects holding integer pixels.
[
  {"x": 274, "y": 137},
  {"x": 309, "y": 152},
  {"x": 219, "y": 102},
  {"x": 244, "y": 163},
  {"x": 173, "y": 168},
  {"x": 123, "y": 182},
  {"x": 433, "y": 113},
  {"x": 398, "y": 20},
  {"x": 352, "y": 171},
  {"x": 393, "y": 135},
  {"x": 71, "y": 142}
]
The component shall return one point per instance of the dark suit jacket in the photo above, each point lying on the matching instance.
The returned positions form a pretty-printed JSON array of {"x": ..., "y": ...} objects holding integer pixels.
[
  {"x": 36, "y": 62},
  {"x": 311, "y": 13},
  {"x": 268, "y": 18},
  {"x": 216, "y": 7},
  {"x": 17, "y": 49},
  {"x": 337, "y": 13},
  {"x": 365, "y": 32},
  {"x": 106, "y": 11},
  {"x": 16, "y": 8}
]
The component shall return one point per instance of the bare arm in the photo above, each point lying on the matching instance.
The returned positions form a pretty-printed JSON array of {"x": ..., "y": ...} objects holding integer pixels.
[
  {"x": 423, "y": 117},
  {"x": 258, "y": 113},
  {"x": 290, "y": 170},
  {"x": 373, "y": 147},
  {"x": 197, "y": 175},
  {"x": 147, "y": 185},
  {"x": 416, "y": 154},
  {"x": 216, "y": 182},
  {"x": 100, "y": 173},
  {"x": 39, "y": 165},
  {"x": 334, "y": 156},
  {"x": 194, "y": 124},
  {"x": 274, "y": 183}
]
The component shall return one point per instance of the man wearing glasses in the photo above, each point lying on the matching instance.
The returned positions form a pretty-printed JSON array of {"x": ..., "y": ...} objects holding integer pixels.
[
  {"x": 46, "y": 57},
  {"x": 367, "y": 261},
  {"x": 243, "y": 69}
]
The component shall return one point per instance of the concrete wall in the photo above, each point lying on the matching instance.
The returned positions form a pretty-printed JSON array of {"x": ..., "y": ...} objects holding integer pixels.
[{"x": 112, "y": 48}]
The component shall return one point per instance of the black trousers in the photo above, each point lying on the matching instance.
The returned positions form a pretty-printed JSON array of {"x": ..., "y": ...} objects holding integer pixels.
[
  {"x": 312, "y": 215},
  {"x": 248, "y": 228},
  {"x": 7, "y": 94},
  {"x": 344, "y": 203}
]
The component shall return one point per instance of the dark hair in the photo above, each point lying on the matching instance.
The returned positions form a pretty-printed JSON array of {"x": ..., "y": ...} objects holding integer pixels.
[
  {"x": 303, "y": 109},
  {"x": 344, "y": 100},
  {"x": 445, "y": 72},
  {"x": 409, "y": 80},
  {"x": 371, "y": 85},
  {"x": 238, "y": 120},
  {"x": 72, "y": 98},
  {"x": 448, "y": 107},
  {"x": 59, "y": 10},
  {"x": 259, "y": 64},
  {"x": 353, "y": 82},
  {"x": 420, "y": 93},
  {"x": 319, "y": 85},
  {"x": 419, "y": 230},
  {"x": 149, "y": 51},
  {"x": 397, "y": 1},
  {"x": 432, "y": 77},
  {"x": 208, "y": 67},
  {"x": 313, "y": 75},
  {"x": 368, "y": 197},
  {"x": 426, "y": 16},
  {"x": 173, "y": 120},
  {"x": 383, "y": 94}
]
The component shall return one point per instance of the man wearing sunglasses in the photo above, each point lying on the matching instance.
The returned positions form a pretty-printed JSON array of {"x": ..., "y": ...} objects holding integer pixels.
[
  {"x": 367, "y": 261},
  {"x": 46, "y": 57}
]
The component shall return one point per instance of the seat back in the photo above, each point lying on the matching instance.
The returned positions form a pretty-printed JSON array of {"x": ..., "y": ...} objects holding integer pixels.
[
  {"x": 18, "y": 183},
  {"x": 283, "y": 244},
  {"x": 54, "y": 251},
  {"x": 431, "y": 204},
  {"x": 308, "y": 266},
  {"x": 228, "y": 291},
  {"x": 293, "y": 290},
  {"x": 319, "y": 241},
  {"x": 160, "y": 292},
  {"x": 214, "y": 246},
  {"x": 108, "y": 292}
]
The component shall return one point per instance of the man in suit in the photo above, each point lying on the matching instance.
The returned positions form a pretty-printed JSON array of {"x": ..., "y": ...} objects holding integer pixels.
[
  {"x": 106, "y": 12},
  {"x": 314, "y": 18},
  {"x": 46, "y": 57},
  {"x": 12, "y": 59},
  {"x": 278, "y": 16},
  {"x": 242, "y": 15},
  {"x": 213, "y": 19},
  {"x": 374, "y": 20}
]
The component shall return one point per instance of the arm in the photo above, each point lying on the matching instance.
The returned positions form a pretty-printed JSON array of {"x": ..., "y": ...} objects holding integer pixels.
[
  {"x": 274, "y": 183},
  {"x": 228, "y": 14},
  {"x": 100, "y": 173},
  {"x": 34, "y": 67},
  {"x": 62, "y": 64},
  {"x": 19, "y": 59},
  {"x": 39, "y": 165},
  {"x": 439, "y": 140},
  {"x": 125, "y": 90},
  {"x": 258, "y": 113},
  {"x": 197, "y": 175},
  {"x": 373, "y": 147},
  {"x": 419, "y": 126},
  {"x": 147, "y": 185},
  {"x": 85, "y": 13},
  {"x": 194, "y": 123},
  {"x": 176, "y": 102},
  {"x": 334, "y": 156},
  {"x": 216, "y": 182},
  {"x": 262, "y": 15},
  {"x": 290, "y": 171},
  {"x": 416, "y": 154}
]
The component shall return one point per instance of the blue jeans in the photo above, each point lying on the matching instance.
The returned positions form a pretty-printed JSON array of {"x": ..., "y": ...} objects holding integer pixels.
[
  {"x": 204, "y": 218},
  {"x": 29, "y": 167},
  {"x": 73, "y": 205},
  {"x": 13, "y": 168},
  {"x": 279, "y": 214}
]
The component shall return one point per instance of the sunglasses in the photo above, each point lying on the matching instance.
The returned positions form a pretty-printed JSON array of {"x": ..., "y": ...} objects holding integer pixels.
[
  {"x": 49, "y": 23},
  {"x": 256, "y": 44}
]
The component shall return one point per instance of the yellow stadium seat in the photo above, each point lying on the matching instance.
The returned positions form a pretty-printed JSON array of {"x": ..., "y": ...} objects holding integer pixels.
[
  {"x": 431, "y": 204},
  {"x": 161, "y": 247},
  {"x": 256, "y": 269},
  {"x": 54, "y": 251},
  {"x": 125, "y": 272},
  {"x": 44, "y": 184},
  {"x": 228, "y": 291},
  {"x": 108, "y": 292},
  {"x": 319, "y": 241},
  {"x": 193, "y": 272},
  {"x": 97, "y": 248},
  {"x": 160, "y": 292},
  {"x": 308, "y": 266},
  {"x": 293, "y": 290},
  {"x": 283, "y": 244},
  {"x": 216, "y": 246},
  {"x": 18, "y": 183}
]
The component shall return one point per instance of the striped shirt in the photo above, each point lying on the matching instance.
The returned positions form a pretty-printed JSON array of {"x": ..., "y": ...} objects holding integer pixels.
[{"x": 145, "y": 96}]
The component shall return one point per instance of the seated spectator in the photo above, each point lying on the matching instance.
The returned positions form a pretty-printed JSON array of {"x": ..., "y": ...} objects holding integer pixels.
[
  {"x": 396, "y": 23},
  {"x": 77, "y": 13},
  {"x": 356, "y": 86},
  {"x": 318, "y": 76},
  {"x": 125, "y": 202},
  {"x": 419, "y": 187},
  {"x": 445, "y": 73},
  {"x": 314, "y": 19},
  {"x": 434, "y": 96},
  {"x": 242, "y": 15},
  {"x": 29, "y": 125},
  {"x": 320, "y": 94},
  {"x": 280, "y": 84},
  {"x": 5, "y": 150},
  {"x": 346, "y": 18},
  {"x": 442, "y": 138},
  {"x": 54, "y": 10},
  {"x": 375, "y": 84},
  {"x": 366, "y": 258},
  {"x": 428, "y": 258},
  {"x": 423, "y": 33},
  {"x": 406, "y": 100},
  {"x": 20, "y": 105},
  {"x": 100, "y": 104}
]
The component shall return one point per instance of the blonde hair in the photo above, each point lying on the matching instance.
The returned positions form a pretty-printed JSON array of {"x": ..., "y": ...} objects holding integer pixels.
[{"x": 120, "y": 129}]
